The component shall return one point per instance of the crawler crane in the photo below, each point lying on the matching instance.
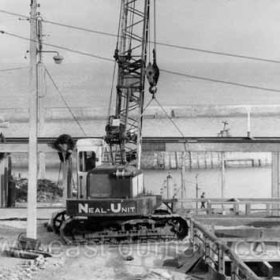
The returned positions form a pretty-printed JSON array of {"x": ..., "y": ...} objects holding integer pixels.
[{"x": 111, "y": 205}]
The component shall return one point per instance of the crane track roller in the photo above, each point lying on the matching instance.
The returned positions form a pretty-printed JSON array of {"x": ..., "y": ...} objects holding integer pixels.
[{"x": 76, "y": 230}]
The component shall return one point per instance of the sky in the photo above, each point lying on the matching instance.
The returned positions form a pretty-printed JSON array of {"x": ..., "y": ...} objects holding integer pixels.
[
  {"x": 248, "y": 27},
  {"x": 243, "y": 27}
]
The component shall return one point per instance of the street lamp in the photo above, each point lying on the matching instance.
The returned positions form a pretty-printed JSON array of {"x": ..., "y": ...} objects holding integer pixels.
[{"x": 58, "y": 58}]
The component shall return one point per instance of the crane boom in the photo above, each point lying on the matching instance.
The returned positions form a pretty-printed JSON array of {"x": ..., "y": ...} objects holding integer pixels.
[{"x": 124, "y": 128}]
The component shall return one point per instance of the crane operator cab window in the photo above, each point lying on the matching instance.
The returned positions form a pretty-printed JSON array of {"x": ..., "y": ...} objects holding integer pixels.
[{"x": 87, "y": 161}]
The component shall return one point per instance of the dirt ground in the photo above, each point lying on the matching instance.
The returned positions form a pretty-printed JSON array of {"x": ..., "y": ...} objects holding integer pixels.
[{"x": 126, "y": 261}]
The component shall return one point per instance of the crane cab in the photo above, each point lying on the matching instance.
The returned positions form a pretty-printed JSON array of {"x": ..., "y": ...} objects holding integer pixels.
[{"x": 89, "y": 156}]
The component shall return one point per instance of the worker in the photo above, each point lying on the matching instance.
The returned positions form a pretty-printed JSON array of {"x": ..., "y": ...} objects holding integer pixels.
[{"x": 203, "y": 201}]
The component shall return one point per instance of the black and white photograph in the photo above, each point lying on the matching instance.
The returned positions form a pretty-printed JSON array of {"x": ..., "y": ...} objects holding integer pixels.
[{"x": 139, "y": 139}]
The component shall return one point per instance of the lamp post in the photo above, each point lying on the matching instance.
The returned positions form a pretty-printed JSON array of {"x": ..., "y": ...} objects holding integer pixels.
[{"x": 35, "y": 88}]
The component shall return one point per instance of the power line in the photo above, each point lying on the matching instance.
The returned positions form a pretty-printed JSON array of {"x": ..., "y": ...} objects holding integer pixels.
[
  {"x": 12, "y": 69},
  {"x": 81, "y": 28},
  {"x": 65, "y": 102},
  {"x": 162, "y": 70},
  {"x": 63, "y": 24},
  {"x": 13, "y": 14},
  {"x": 59, "y": 47},
  {"x": 176, "y": 46},
  {"x": 218, "y": 53},
  {"x": 171, "y": 45},
  {"x": 219, "y": 81}
]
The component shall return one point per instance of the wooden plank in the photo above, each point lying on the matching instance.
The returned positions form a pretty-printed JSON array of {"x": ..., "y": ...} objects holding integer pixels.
[{"x": 230, "y": 254}]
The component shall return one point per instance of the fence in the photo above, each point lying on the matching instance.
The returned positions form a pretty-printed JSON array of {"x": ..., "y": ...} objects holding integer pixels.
[
  {"x": 237, "y": 207},
  {"x": 216, "y": 252}
]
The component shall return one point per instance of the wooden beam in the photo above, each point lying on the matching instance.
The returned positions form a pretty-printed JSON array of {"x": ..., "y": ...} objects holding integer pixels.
[
  {"x": 172, "y": 144},
  {"x": 223, "y": 147},
  {"x": 168, "y": 147}
]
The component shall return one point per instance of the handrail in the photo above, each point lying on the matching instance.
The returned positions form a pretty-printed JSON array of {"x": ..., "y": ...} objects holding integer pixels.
[
  {"x": 237, "y": 263},
  {"x": 268, "y": 206},
  {"x": 228, "y": 200}
]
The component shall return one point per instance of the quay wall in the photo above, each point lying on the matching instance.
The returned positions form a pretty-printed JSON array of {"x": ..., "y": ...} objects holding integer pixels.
[
  {"x": 203, "y": 160},
  {"x": 172, "y": 160},
  {"x": 53, "y": 114},
  {"x": 155, "y": 159}
]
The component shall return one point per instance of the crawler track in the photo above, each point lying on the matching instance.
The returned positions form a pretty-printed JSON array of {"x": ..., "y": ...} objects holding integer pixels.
[{"x": 97, "y": 230}]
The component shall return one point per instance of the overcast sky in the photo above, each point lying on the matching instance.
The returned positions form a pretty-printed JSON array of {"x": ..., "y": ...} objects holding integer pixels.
[
  {"x": 247, "y": 27},
  {"x": 243, "y": 27}
]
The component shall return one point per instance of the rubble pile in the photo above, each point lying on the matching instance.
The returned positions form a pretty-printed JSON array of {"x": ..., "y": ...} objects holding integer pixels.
[{"x": 48, "y": 191}]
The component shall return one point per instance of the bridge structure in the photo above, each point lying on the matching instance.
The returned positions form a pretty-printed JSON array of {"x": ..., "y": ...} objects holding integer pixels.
[
  {"x": 193, "y": 144},
  {"x": 169, "y": 145},
  {"x": 181, "y": 144}
]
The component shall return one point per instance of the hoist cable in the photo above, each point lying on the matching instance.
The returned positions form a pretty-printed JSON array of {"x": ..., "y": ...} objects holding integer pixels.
[
  {"x": 112, "y": 90},
  {"x": 119, "y": 26},
  {"x": 115, "y": 65},
  {"x": 172, "y": 121},
  {"x": 148, "y": 104},
  {"x": 65, "y": 102},
  {"x": 155, "y": 26}
]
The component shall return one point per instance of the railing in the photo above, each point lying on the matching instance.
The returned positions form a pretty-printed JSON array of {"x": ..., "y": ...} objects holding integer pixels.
[
  {"x": 240, "y": 207},
  {"x": 215, "y": 252}
]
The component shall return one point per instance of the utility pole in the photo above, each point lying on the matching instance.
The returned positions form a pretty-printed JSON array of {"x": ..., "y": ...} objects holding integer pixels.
[
  {"x": 41, "y": 77},
  {"x": 37, "y": 90},
  {"x": 196, "y": 193},
  {"x": 33, "y": 128},
  {"x": 183, "y": 178}
]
